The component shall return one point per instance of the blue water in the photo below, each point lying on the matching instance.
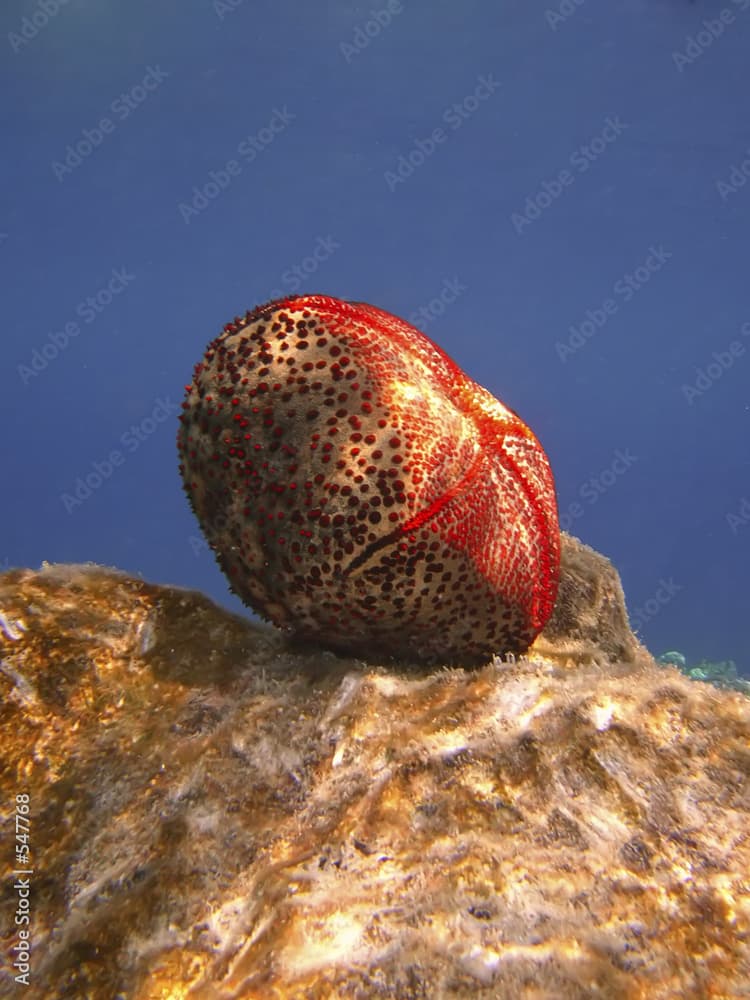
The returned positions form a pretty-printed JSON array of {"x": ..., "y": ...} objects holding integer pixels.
[{"x": 557, "y": 193}]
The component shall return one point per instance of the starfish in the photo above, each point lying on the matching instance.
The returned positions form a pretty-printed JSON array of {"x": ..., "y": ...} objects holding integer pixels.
[{"x": 360, "y": 490}]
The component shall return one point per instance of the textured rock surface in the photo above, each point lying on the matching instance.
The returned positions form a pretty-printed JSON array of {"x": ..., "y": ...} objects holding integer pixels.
[
  {"x": 358, "y": 488},
  {"x": 216, "y": 813}
]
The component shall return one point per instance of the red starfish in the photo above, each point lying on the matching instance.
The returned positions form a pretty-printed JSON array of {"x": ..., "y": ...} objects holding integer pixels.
[{"x": 360, "y": 490}]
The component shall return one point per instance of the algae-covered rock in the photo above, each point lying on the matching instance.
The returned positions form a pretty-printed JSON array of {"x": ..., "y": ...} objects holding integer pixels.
[{"x": 215, "y": 812}]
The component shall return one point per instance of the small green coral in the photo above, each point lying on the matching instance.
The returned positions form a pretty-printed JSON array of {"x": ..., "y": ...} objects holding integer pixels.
[
  {"x": 676, "y": 659},
  {"x": 720, "y": 673}
]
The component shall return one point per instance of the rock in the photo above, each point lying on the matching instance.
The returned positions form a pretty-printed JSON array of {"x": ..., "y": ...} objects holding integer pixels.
[{"x": 216, "y": 812}]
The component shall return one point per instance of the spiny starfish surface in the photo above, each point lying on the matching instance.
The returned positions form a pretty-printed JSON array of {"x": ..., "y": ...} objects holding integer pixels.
[{"x": 360, "y": 490}]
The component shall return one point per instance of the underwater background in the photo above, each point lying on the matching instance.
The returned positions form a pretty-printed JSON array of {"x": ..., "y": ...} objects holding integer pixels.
[{"x": 558, "y": 193}]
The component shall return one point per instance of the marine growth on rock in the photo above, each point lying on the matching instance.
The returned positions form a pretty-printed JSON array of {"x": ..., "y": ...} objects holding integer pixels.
[{"x": 360, "y": 490}]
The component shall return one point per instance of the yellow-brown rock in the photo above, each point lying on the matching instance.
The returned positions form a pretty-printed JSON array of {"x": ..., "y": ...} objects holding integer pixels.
[{"x": 215, "y": 812}]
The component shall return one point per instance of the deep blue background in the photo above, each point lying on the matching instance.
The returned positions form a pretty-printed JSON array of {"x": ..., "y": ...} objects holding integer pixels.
[{"x": 350, "y": 113}]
